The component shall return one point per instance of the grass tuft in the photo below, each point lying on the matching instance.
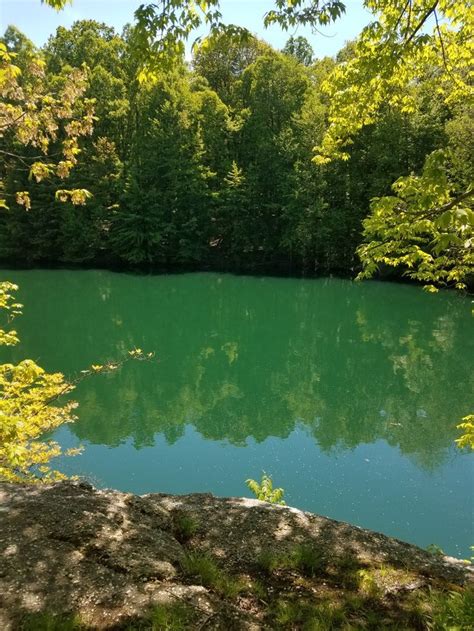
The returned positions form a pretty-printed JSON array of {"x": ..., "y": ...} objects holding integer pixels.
[
  {"x": 46, "y": 621},
  {"x": 172, "y": 617},
  {"x": 346, "y": 570},
  {"x": 296, "y": 614},
  {"x": 368, "y": 584},
  {"x": 451, "y": 610},
  {"x": 307, "y": 560},
  {"x": 310, "y": 561},
  {"x": 203, "y": 568},
  {"x": 184, "y": 527}
]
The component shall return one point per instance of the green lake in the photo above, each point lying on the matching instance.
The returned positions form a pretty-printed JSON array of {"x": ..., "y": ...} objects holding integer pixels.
[{"x": 347, "y": 394}]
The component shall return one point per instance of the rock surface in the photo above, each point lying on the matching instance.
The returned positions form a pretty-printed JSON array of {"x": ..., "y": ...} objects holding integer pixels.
[{"x": 109, "y": 556}]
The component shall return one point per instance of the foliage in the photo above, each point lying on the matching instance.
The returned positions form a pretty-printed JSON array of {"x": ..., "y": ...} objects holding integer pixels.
[
  {"x": 163, "y": 28},
  {"x": 451, "y": 610},
  {"x": 435, "y": 610},
  {"x": 26, "y": 413},
  {"x": 391, "y": 56},
  {"x": 309, "y": 560},
  {"x": 467, "y": 439},
  {"x": 174, "y": 20},
  {"x": 300, "y": 49},
  {"x": 37, "y": 114},
  {"x": 56, "y": 4},
  {"x": 164, "y": 214},
  {"x": 29, "y": 409},
  {"x": 425, "y": 229},
  {"x": 369, "y": 585},
  {"x": 222, "y": 58},
  {"x": 264, "y": 490},
  {"x": 34, "y": 116},
  {"x": 212, "y": 167}
]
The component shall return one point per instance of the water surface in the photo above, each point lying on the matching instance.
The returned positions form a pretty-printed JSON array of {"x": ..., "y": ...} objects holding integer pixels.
[{"x": 347, "y": 394}]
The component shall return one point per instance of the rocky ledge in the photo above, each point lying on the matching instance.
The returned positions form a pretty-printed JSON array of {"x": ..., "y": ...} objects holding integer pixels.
[{"x": 117, "y": 560}]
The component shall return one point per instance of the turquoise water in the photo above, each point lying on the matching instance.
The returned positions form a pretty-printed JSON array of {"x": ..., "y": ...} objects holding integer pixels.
[{"x": 347, "y": 394}]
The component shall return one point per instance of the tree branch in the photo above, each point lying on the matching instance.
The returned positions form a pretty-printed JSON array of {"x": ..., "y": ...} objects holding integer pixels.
[
  {"x": 445, "y": 207},
  {"x": 443, "y": 50},
  {"x": 13, "y": 122},
  {"x": 402, "y": 12},
  {"x": 23, "y": 158},
  {"x": 421, "y": 22}
]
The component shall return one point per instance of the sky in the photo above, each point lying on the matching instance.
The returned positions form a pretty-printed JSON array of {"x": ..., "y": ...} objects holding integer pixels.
[{"x": 38, "y": 21}]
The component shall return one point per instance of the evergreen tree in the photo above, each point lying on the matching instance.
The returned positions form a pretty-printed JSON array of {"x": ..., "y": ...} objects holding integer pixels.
[{"x": 164, "y": 217}]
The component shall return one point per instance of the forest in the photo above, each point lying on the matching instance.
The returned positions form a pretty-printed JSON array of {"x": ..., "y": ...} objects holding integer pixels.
[{"x": 210, "y": 164}]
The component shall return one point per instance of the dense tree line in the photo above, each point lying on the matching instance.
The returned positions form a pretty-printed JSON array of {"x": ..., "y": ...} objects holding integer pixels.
[{"x": 210, "y": 164}]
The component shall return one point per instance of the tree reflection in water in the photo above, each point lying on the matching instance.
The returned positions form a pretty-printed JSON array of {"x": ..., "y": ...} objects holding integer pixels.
[{"x": 244, "y": 357}]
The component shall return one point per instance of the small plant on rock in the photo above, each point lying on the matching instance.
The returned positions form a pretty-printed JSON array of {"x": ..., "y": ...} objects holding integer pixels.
[
  {"x": 264, "y": 490},
  {"x": 435, "y": 550}
]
